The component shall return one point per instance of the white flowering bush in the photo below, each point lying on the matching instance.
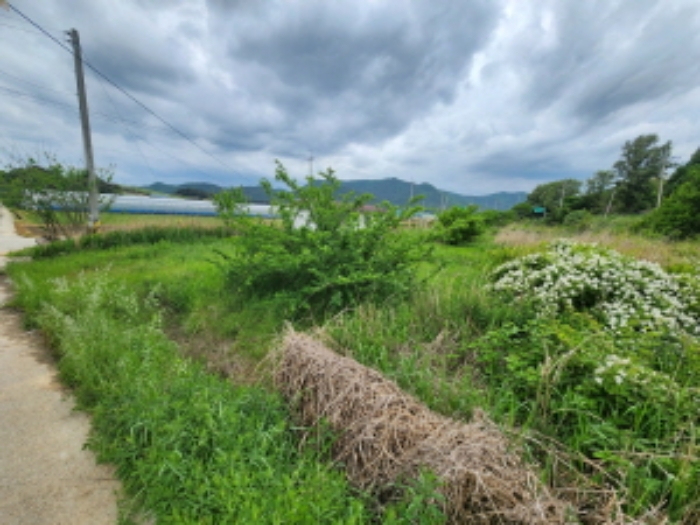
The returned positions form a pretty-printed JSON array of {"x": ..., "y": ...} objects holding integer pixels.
[
  {"x": 620, "y": 291},
  {"x": 629, "y": 378}
]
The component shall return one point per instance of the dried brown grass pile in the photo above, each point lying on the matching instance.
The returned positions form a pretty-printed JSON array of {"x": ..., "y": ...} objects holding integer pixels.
[{"x": 385, "y": 436}]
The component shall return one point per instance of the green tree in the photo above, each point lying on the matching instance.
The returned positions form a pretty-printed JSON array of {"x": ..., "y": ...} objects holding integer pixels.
[
  {"x": 642, "y": 162},
  {"x": 459, "y": 225},
  {"x": 598, "y": 190},
  {"x": 679, "y": 176},
  {"x": 558, "y": 197},
  {"x": 679, "y": 215},
  {"x": 56, "y": 194},
  {"x": 552, "y": 195}
]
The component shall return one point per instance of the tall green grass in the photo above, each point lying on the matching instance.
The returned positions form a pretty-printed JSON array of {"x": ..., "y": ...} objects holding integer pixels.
[
  {"x": 454, "y": 345},
  {"x": 120, "y": 238},
  {"x": 189, "y": 447}
]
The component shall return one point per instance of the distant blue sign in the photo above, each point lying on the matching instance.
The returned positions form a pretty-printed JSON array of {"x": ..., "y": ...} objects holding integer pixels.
[{"x": 539, "y": 210}]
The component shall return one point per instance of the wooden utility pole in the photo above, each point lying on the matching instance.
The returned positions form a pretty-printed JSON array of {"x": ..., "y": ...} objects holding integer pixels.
[
  {"x": 662, "y": 170},
  {"x": 612, "y": 196},
  {"x": 563, "y": 191},
  {"x": 93, "y": 217}
]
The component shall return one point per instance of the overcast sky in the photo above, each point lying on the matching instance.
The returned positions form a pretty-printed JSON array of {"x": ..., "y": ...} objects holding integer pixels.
[{"x": 473, "y": 96}]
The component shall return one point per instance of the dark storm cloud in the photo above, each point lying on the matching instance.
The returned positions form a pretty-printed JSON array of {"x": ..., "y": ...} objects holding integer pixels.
[
  {"x": 606, "y": 56},
  {"x": 533, "y": 164},
  {"x": 131, "y": 46},
  {"x": 478, "y": 95},
  {"x": 354, "y": 72}
]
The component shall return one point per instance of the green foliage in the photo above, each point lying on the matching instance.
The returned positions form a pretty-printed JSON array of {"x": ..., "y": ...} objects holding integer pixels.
[
  {"x": 679, "y": 176},
  {"x": 324, "y": 254},
  {"x": 598, "y": 191},
  {"x": 495, "y": 218},
  {"x": 621, "y": 405},
  {"x": 522, "y": 210},
  {"x": 621, "y": 401},
  {"x": 678, "y": 217},
  {"x": 57, "y": 194},
  {"x": 621, "y": 292},
  {"x": 459, "y": 225},
  {"x": 231, "y": 207},
  {"x": 552, "y": 194},
  {"x": 422, "y": 506},
  {"x": 579, "y": 220},
  {"x": 611, "y": 364},
  {"x": 188, "y": 446},
  {"x": 641, "y": 162},
  {"x": 148, "y": 235}
]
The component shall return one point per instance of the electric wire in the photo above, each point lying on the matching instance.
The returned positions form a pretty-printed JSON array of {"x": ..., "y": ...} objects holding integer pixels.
[
  {"x": 21, "y": 94},
  {"x": 44, "y": 100},
  {"x": 129, "y": 129},
  {"x": 120, "y": 89},
  {"x": 5, "y": 90},
  {"x": 16, "y": 28},
  {"x": 34, "y": 84}
]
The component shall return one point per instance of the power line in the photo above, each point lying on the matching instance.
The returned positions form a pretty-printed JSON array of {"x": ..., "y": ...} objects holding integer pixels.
[
  {"x": 120, "y": 89},
  {"x": 129, "y": 125},
  {"x": 17, "y": 28},
  {"x": 40, "y": 29},
  {"x": 21, "y": 94},
  {"x": 33, "y": 84}
]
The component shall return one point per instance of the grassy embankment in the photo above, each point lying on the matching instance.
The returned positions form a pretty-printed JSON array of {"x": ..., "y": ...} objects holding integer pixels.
[{"x": 454, "y": 344}]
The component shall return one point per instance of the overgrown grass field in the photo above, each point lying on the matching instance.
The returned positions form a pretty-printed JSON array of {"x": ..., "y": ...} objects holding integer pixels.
[{"x": 167, "y": 348}]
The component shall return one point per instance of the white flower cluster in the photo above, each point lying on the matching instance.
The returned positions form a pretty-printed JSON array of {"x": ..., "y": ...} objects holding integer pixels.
[
  {"x": 614, "y": 367},
  {"x": 619, "y": 371},
  {"x": 620, "y": 290}
]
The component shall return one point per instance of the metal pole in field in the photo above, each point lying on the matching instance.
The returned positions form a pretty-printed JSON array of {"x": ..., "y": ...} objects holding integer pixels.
[{"x": 93, "y": 216}]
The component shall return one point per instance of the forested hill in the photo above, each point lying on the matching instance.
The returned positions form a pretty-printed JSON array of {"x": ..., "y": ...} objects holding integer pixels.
[
  {"x": 394, "y": 190},
  {"x": 398, "y": 192}
]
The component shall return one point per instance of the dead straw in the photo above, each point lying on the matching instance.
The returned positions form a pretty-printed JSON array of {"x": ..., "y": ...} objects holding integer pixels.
[{"x": 386, "y": 437}]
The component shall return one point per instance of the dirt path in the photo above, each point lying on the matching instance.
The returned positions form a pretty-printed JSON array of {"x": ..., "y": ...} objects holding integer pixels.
[{"x": 46, "y": 478}]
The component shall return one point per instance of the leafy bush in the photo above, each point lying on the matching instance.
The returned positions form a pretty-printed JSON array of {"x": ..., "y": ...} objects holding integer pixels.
[
  {"x": 620, "y": 291},
  {"x": 627, "y": 401},
  {"x": 459, "y": 225},
  {"x": 324, "y": 254},
  {"x": 611, "y": 365},
  {"x": 497, "y": 218},
  {"x": 579, "y": 220},
  {"x": 56, "y": 194},
  {"x": 679, "y": 215}
]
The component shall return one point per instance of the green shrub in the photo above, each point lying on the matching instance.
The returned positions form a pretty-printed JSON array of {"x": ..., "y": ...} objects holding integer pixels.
[
  {"x": 57, "y": 195},
  {"x": 579, "y": 220},
  {"x": 460, "y": 225},
  {"x": 679, "y": 215},
  {"x": 626, "y": 401},
  {"x": 610, "y": 366},
  {"x": 497, "y": 218},
  {"x": 622, "y": 292},
  {"x": 324, "y": 254}
]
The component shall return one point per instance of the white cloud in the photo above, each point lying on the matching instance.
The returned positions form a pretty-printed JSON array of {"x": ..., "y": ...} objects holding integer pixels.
[{"x": 474, "y": 97}]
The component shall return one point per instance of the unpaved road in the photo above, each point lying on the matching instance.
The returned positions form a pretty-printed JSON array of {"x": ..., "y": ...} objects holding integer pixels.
[{"x": 46, "y": 478}]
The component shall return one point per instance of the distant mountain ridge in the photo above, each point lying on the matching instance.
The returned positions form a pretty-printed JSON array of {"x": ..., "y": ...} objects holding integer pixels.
[
  {"x": 394, "y": 190},
  {"x": 399, "y": 192}
]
